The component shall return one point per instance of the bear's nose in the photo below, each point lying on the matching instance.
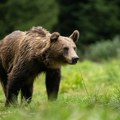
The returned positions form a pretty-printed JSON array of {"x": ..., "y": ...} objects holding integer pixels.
[{"x": 74, "y": 60}]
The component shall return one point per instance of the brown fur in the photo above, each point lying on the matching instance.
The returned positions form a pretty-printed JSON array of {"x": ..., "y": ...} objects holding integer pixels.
[{"x": 23, "y": 55}]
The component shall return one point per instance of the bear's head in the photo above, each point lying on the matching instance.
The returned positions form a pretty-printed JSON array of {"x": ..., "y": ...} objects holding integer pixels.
[{"x": 62, "y": 49}]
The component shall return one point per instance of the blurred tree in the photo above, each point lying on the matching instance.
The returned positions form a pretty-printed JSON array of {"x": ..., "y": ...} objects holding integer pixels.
[
  {"x": 24, "y": 14},
  {"x": 95, "y": 19},
  {"x": 68, "y": 16}
]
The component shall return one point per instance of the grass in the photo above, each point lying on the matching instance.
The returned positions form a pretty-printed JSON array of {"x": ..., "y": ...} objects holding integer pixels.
[{"x": 89, "y": 91}]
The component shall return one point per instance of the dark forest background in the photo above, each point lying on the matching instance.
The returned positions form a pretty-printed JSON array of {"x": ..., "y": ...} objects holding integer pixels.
[{"x": 97, "y": 20}]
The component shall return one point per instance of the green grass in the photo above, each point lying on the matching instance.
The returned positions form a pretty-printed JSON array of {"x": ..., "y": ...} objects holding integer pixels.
[{"x": 89, "y": 91}]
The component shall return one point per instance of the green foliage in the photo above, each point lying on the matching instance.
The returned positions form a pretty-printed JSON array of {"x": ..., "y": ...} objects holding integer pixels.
[
  {"x": 104, "y": 50},
  {"x": 24, "y": 14},
  {"x": 88, "y": 91}
]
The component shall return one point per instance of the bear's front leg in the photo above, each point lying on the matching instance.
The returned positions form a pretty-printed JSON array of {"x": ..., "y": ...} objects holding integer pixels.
[
  {"x": 53, "y": 77},
  {"x": 27, "y": 91}
]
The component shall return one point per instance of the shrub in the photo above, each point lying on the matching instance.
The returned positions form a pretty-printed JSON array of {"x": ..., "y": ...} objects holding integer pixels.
[{"x": 104, "y": 50}]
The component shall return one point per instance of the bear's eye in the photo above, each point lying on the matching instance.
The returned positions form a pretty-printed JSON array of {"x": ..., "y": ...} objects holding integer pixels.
[
  {"x": 74, "y": 48},
  {"x": 66, "y": 49}
]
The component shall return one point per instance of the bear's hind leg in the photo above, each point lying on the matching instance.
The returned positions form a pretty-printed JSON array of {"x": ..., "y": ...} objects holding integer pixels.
[
  {"x": 16, "y": 79},
  {"x": 3, "y": 79},
  {"x": 13, "y": 88},
  {"x": 53, "y": 77}
]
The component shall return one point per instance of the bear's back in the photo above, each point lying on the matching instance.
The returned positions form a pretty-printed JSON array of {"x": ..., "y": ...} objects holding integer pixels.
[{"x": 9, "y": 47}]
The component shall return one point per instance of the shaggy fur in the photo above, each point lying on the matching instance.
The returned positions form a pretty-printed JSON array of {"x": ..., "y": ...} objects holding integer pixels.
[{"x": 23, "y": 55}]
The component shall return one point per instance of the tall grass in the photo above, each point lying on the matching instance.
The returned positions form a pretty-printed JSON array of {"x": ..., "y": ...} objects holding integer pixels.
[{"x": 88, "y": 91}]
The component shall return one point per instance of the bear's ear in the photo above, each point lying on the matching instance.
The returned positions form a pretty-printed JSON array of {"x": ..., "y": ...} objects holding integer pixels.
[
  {"x": 54, "y": 36},
  {"x": 75, "y": 36}
]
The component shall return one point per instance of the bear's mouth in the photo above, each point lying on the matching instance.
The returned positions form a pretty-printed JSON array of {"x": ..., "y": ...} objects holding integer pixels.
[
  {"x": 70, "y": 62},
  {"x": 73, "y": 63}
]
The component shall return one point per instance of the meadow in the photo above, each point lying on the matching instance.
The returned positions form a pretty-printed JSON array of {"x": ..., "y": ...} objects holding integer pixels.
[{"x": 88, "y": 91}]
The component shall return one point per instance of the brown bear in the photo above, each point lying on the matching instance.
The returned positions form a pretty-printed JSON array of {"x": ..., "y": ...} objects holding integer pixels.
[{"x": 23, "y": 55}]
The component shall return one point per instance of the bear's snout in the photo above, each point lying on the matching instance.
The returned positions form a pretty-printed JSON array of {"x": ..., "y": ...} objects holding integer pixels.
[{"x": 75, "y": 59}]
